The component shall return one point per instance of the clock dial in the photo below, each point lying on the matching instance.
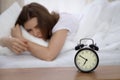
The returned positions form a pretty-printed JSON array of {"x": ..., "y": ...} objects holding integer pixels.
[{"x": 86, "y": 60}]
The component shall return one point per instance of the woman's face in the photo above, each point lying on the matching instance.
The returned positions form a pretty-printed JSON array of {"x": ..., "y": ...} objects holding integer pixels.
[{"x": 32, "y": 28}]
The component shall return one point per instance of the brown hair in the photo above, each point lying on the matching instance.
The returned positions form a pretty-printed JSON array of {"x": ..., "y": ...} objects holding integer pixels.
[{"x": 46, "y": 21}]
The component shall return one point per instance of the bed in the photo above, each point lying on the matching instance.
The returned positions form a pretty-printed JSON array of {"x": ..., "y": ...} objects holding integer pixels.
[{"x": 97, "y": 21}]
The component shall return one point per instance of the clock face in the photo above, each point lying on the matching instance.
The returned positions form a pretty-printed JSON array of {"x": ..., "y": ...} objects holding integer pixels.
[{"x": 86, "y": 60}]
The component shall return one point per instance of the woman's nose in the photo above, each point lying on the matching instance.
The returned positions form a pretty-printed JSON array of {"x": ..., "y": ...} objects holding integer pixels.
[{"x": 36, "y": 32}]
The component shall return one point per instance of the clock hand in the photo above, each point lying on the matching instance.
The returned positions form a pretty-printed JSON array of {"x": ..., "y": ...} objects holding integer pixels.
[
  {"x": 85, "y": 61},
  {"x": 82, "y": 57}
]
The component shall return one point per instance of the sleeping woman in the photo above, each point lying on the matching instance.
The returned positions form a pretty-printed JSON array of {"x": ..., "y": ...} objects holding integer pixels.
[{"x": 39, "y": 22}]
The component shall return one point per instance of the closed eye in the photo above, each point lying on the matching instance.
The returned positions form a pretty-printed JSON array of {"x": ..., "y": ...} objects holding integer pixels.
[{"x": 29, "y": 30}]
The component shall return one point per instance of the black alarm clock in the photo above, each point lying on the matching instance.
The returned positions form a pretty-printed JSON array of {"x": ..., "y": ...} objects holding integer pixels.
[{"x": 86, "y": 58}]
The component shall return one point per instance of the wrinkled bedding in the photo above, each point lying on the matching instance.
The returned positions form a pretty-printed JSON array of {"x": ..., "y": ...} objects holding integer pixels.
[{"x": 98, "y": 22}]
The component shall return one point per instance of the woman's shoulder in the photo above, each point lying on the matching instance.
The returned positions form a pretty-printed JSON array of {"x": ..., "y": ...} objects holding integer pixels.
[{"x": 66, "y": 21}]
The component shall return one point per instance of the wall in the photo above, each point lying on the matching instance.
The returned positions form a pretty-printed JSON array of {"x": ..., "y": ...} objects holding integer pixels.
[
  {"x": 0, "y": 6},
  {"x": 4, "y": 4}
]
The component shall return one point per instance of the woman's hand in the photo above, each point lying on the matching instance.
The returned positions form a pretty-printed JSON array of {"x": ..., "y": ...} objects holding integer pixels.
[
  {"x": 16, "y": 32},
  {"x": 14, "y": 44}
]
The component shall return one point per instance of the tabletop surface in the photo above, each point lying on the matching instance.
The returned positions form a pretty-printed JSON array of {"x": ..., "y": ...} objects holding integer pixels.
[{"x": 61, "y": 73}]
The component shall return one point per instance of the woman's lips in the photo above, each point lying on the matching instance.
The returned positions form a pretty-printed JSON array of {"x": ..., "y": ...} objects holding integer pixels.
[{"x": 39, "y": 36}]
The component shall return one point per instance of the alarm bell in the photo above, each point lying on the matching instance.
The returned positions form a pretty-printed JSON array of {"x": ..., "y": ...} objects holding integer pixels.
[{"x": 92, "y": 46}]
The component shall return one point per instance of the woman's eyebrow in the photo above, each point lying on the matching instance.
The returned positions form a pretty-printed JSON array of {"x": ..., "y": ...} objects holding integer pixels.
[{"x": 27, "y": 28}]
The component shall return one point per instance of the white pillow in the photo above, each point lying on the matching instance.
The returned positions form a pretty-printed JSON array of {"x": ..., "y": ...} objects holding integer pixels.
[
  {"x": 8, "y": 19},
  {"x": 32, "y": 38}
]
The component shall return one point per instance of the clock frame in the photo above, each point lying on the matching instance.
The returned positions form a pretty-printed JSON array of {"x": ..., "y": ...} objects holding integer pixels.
[{"x": 86, "y": 58}]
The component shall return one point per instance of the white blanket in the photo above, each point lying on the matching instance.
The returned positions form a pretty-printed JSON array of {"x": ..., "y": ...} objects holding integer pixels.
[{"x": 103, "y": 27}]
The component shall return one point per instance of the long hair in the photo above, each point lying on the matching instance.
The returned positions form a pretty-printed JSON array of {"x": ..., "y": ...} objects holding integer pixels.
[{"x": 46, "y": 20}]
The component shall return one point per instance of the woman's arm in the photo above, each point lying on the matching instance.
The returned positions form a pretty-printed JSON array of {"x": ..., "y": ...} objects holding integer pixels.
[
  {"x": 55, "y": 45},
  {"x": 14, "y": 44}
]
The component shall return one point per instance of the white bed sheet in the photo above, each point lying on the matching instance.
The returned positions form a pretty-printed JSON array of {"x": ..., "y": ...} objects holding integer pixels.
[
  {"x": 27, "y": 61},
  {"x": 106, "y": 35},
  {"x": 106, "y": 57}
]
